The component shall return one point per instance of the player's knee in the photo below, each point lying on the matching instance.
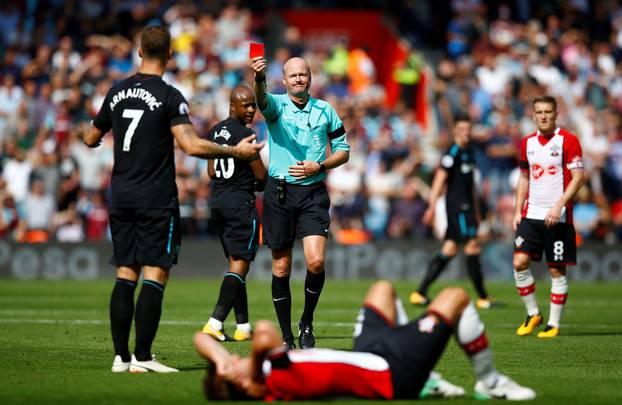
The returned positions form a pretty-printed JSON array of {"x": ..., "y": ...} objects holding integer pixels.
[
  {"x": 382, "y": 286},
  {"x": 316, "y": 265},
  {"x": 281, "y": 271},
  {"x": 520, "y": 262},
  {"x": 472, "y": 248},
  {"x": 449, "y": 250},
  {"x": 454, "y": 295}
]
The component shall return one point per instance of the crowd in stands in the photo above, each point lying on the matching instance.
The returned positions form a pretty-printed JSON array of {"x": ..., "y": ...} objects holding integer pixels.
[{"x": 59, "y": 58}]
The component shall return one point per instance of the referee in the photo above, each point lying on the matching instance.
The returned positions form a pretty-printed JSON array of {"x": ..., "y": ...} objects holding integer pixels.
[
  {"x": 146, "y": 116},
  {"x": 295, "y": 200}
]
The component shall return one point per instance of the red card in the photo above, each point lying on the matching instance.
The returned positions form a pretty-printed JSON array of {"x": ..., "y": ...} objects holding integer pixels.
[{"x": 255, "y": 50}]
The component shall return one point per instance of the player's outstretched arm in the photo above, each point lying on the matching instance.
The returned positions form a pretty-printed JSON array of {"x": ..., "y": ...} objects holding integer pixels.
[
  {"x": 190, "y": 143},
  {"x": 92, "y": 136}
]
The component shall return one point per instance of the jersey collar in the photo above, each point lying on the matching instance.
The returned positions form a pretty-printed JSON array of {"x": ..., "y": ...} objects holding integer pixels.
[
  {"x": 295, "y": 109},
  {"x": 543, "y": 139},
  {"x": 556, "y": 132}
]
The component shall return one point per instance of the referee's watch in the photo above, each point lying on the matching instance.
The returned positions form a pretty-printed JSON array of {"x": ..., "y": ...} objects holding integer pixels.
[{"x": 322, "y": 168}]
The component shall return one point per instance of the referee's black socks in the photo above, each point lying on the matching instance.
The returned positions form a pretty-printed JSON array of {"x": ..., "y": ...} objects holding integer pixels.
[
  {"x": 147, "y": 318},
  {"x": 282, "y": 300},
  {"x": 121, "y": 314},
  {"x": 313, "y": 288}
]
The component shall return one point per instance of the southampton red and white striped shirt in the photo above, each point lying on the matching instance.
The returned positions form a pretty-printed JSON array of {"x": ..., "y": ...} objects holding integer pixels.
[
  {"x": 549, "y": 162},
  {"x": 316, "y": 373}
]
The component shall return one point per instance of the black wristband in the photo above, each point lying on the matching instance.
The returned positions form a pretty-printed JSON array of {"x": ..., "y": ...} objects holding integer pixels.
[
  {"x": 260, "y": 79},
  {"x": 322, "y": 168}
]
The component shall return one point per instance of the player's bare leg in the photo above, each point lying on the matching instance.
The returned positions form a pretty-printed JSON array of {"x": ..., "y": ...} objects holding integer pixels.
[
  {"x": 559, "y": 293},
  {"x": 453, "y": 304},
  {"x": 382, "y": 297},
  {"x": 314, "y": 247},
  {"x": 281, "y": 293},
  {"x": 526, "y": 285}
]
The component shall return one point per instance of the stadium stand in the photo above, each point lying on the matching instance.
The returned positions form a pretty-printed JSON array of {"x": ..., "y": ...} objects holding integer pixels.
[{"x": 58, "y": 59}]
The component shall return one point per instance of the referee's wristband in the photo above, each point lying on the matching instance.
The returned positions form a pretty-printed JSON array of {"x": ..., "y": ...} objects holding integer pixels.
[
  {"x": 260, "y": 79},
  {"x": 322, "y": 168}
]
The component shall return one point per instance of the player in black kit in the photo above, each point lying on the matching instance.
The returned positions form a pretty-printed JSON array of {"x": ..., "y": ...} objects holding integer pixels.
[
  {"x": 146, "y": 115},
  {"x": 457, "y": 168},
  {"x": 232, "y": 201}
]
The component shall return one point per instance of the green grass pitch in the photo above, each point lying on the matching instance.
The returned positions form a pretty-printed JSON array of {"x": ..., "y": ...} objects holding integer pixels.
[{"x": 55, "y": 345}]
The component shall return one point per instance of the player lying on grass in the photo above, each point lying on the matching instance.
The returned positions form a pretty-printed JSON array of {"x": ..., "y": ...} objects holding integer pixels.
[{"x": 391, "y": 358}]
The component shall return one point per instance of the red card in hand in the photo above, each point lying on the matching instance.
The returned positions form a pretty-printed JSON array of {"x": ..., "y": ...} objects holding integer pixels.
[{"x": 255, "y": 50}]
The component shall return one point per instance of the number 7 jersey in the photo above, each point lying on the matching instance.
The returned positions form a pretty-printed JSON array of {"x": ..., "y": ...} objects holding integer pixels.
[
  {"x": 548, "y": 161},
  {"x": 141, "y": 110}
]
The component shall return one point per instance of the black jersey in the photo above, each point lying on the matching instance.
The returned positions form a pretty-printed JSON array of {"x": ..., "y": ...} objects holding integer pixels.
[
  {"x": 234, "y": 183},
  {"x": 141, "y": 110},
  {"x": 460, "y": 166}
]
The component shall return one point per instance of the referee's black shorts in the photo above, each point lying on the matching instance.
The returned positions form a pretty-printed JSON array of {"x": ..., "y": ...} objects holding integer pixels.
[
  {"x": 145, "y": 236},
  {"x": 304, "y": 213},
  {"x": 239, "y": 230},
  {"x": 412, "y": 350}
]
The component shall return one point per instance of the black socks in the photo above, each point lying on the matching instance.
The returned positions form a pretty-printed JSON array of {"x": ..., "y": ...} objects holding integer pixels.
[
  {"x": 282, "y": 300},
  {"x": 147, "y": 317},
  {"x": 435, "y": 268},
  {"x": 474, "y": 269},
  {"x": 229, "y": 290},
  {"x": 121, "y": 314},
  {"x": 313, "y": 287}
]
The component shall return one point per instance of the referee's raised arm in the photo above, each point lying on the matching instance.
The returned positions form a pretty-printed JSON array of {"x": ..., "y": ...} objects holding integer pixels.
[{"x": 258, "y": 64}]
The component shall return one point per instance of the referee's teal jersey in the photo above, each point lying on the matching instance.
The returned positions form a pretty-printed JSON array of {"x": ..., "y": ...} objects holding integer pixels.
[{"x": 301, "y": 134}]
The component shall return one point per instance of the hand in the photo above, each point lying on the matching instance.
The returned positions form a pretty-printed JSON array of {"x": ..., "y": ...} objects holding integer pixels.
[
  {"x": 246, "y": 149},
  {"x": 304, "y": 169},
  {"x": 516, "y": 221},
  {"x": 259, "y": 64},
  {"x": 552, "y": 217},
  {"x": 428, "y": 216}
]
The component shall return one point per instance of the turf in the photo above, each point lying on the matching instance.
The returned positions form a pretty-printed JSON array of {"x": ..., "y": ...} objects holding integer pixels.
[{"x": 55, "y": 345}]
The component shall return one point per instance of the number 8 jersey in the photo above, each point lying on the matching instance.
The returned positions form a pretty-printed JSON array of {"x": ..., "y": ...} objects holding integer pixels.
[
  {"x": 141, "y": 110},
  {"x": 549, "y": 162},
  {"x": 234, "y": 181}
]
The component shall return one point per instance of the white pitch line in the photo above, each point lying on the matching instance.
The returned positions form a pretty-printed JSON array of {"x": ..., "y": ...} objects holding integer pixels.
[{"x": 316, "y": 324}]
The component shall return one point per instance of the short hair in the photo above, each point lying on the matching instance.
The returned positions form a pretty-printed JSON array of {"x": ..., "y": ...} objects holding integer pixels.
[
  {"x": 460, "y": 117},
  {"x": 545, "y": 99},
  {"x": 155, "y": 41},
  {"x": 216, "y": 388}
]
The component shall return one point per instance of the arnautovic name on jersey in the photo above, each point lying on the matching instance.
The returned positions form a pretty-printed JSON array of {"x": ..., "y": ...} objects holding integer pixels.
[{"x": 138, "y": 93}]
